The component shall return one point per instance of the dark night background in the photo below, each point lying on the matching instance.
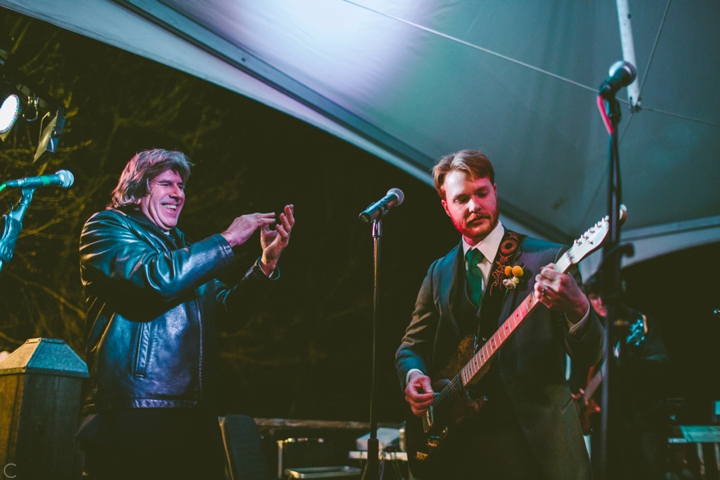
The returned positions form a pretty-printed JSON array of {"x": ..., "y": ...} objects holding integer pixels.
[{"x": 307, "y": 353}]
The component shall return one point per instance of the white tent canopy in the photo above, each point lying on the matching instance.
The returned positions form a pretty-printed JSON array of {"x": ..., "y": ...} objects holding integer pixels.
[{"x": 410, "y": 81}]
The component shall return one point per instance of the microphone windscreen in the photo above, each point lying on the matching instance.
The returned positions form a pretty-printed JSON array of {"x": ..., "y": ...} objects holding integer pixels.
[
  {"x": 626, "y": 71},
  {"x": 66, "y": 177},
  {"x": 398, "y": 193}
]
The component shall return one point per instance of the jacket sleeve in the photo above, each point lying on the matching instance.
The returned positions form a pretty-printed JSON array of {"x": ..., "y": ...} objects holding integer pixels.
[
  {"x": 417, "y": 343},
  {"x": 244, "y": 299},
  {"x": 585, "y": 346},
  {"x": 114, "y": 251}
]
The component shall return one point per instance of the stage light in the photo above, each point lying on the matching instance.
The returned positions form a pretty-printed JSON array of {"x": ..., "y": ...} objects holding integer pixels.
[
  {"x": 14, "y": 98},
  {"x": 23, "y": 101},
  {"x": 9, "y": 113}
]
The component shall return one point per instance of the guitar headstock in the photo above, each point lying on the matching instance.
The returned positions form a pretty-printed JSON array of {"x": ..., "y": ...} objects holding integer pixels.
[{"x": 592, "y": 239}]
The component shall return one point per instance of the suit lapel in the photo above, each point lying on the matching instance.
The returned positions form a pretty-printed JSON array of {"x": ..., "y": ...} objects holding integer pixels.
[{"x": 447, "y": 284}]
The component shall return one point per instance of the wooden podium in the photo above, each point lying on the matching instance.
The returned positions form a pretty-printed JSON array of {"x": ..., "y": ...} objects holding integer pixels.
[{"x": 40, "y": 386}]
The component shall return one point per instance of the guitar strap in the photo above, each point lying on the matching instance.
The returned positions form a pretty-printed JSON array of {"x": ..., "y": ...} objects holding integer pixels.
[{"x": 495, "y": 292}]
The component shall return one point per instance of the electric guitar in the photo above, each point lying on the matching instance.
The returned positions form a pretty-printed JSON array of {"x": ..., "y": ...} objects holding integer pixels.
[
  {"x": 453, "y": 405},
  {"x": 586, "y": 405}
]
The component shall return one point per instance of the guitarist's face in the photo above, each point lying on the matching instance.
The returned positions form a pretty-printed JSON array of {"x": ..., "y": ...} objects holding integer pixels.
[
  {"x": 598, "y": 305},
  {"x": 471, "y": 205}
]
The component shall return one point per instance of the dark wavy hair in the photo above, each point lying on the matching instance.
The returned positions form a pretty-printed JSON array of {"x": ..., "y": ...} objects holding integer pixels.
[
  {"x": 135, "y": 179},
  {"x": 475, "y": 164}
]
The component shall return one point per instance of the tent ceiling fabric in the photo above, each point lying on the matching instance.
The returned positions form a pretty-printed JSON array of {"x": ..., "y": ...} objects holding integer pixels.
[{"x": 411, "y": 81}]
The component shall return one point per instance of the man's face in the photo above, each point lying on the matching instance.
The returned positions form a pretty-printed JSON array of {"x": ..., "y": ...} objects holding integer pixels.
[
  {"x": 164, "y": 200},
  {"x": 597, "y": 304},
  {"x": 471, "y": 205}
]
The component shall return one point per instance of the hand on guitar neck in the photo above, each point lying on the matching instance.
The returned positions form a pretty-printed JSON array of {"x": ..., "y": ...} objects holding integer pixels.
[
  {"x": 560, "y": 292},
  {"x": 418, "y": 392}
]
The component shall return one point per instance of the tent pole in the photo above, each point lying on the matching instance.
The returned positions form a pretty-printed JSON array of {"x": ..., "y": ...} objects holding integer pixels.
[{"x": 628, "y": 49}]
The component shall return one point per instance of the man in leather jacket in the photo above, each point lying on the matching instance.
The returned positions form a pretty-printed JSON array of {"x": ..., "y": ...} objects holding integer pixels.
[{"x": 154, "y": 305}]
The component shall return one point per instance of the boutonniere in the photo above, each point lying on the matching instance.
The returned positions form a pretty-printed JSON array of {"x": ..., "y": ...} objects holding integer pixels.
[{"x": 513, "y": 275}]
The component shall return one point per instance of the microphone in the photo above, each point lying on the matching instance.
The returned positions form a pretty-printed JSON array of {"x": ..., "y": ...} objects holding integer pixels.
[
  {"x": 377, "y": 210},
  {"x": 63, "y": 178},
  {"x": 622, "y": 74}
]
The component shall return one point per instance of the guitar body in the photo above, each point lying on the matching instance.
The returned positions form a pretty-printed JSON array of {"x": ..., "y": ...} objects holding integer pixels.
[{"x": 427, "y": 434}]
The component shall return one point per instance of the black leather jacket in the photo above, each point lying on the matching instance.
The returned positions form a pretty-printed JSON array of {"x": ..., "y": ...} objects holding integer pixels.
[{"x": 153, "y": 305}]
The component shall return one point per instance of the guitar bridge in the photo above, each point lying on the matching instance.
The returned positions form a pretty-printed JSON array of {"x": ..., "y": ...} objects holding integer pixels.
[{"x": 434, "y": 440}]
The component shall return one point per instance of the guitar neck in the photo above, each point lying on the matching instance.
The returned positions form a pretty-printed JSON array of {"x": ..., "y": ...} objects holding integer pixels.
[
  {"x": 593, "y": 384},
  {"x": 474, "y": 370}
]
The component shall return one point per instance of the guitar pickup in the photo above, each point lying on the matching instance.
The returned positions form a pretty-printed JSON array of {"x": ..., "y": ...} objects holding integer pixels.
[{"x": 428, "y": 419}]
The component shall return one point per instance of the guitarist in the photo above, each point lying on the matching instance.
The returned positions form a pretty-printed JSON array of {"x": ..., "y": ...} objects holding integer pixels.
[
  {"x": 642, "y": 378},
  {"x": 528, "y": 428}
]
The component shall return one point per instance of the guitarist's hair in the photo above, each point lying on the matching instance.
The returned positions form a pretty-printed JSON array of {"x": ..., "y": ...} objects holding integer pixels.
[{"x": 473, "y": 163}]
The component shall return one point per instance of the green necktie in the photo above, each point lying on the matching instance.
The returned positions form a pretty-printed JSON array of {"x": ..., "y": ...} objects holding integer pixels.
[{"x": 474, "y": 276}]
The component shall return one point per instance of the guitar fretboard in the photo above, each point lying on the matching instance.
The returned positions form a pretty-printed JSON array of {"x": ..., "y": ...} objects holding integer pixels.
[{"x": 473, "y": 371}]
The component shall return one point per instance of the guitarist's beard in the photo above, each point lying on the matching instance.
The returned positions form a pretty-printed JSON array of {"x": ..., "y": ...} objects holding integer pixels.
[{"x": 476, "y": 227}]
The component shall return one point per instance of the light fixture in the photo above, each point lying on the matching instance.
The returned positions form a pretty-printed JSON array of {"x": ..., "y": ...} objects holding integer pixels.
[
  {"x": 9, "y": 112},
  {"x": 50, "y": 135},
  {"x": 23, "y": 101}
]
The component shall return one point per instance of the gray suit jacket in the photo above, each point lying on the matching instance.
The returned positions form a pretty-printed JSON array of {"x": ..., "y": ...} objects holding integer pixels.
[{"x": 530, "y": 363}]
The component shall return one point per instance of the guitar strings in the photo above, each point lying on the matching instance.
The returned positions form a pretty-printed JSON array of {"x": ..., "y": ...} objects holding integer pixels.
[{"x": 445, "y": 392}]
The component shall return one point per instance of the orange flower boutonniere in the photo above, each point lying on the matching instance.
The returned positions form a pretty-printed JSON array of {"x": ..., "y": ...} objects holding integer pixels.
[{"x": 513, "y": 275}]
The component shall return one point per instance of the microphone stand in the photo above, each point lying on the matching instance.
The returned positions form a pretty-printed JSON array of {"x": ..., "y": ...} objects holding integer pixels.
[
  {"x": 373, "y": 452},
  {"x": 13, "y": 226},
  {"x": 610, "y": 461}
]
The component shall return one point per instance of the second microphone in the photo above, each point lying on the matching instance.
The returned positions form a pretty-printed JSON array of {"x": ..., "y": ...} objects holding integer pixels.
[{"x": 377, "y": 210}]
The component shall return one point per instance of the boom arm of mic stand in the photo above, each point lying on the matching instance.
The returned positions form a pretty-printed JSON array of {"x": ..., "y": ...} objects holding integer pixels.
[{"x": 13, "y": 226}]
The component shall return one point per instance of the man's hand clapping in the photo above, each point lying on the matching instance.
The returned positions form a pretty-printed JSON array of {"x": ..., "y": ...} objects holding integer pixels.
[
  {"x": 244, "y": 226},
  {"x": 273, "y": 242}
]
